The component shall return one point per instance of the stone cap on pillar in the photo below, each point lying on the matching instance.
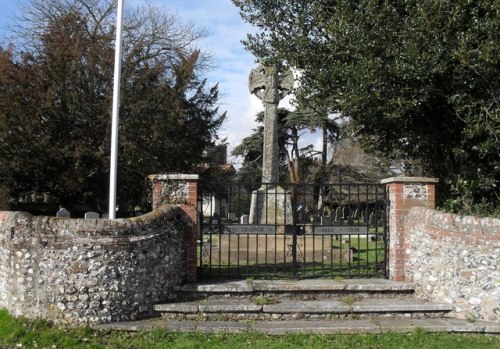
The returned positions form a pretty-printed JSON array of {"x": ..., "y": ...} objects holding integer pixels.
[
  {"x": 174, "y": 188},
  {"x": 174, "y": 176},
  {"x": 404, "y": 179}
]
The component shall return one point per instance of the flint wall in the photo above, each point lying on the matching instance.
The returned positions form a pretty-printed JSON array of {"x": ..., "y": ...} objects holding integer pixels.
[
  {"x": 76, "y": 271},
  {"x": 454, "y": 259}
]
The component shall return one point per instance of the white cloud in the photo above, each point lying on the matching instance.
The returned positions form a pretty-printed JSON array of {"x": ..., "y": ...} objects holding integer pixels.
[{"x": 221, "y": 19}]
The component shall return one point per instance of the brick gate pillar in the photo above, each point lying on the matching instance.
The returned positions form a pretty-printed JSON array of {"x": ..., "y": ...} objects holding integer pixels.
[
  {"x": 403, "y": 194},
  {"x": 182, "y": 190}
]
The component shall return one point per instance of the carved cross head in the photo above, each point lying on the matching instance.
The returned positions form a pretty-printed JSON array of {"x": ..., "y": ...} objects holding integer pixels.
[{"x": 269, "y": 84}]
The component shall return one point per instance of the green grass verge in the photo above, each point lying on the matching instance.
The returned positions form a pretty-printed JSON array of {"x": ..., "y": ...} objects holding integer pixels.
[{"x": 38, "y": 334}]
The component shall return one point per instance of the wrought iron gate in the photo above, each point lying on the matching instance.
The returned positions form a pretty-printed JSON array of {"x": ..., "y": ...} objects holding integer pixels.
[{"x": 293, "y": 231}]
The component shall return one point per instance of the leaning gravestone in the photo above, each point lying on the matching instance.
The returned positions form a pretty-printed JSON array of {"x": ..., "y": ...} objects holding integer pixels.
[
  {"x": 270, "y": 204},
  {"x": 64, "y": 213}
]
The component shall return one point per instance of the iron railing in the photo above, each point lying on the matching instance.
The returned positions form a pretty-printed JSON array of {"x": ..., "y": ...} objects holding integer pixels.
[{"x": 291, "y": 230}]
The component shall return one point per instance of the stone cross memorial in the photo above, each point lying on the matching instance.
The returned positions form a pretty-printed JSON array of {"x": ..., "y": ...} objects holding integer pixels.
[
  {"x": 270, "y": 204},
  {"x": 270, "y": 86}
]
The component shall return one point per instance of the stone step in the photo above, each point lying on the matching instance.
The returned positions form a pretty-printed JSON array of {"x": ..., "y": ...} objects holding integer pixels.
[
  {"x": 310, "y": 288},
  {"x": 266, "y": 308},
  {"x": 377, "y": 325}
]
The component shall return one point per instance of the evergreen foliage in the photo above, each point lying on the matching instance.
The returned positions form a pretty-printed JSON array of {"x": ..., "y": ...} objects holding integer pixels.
[
  {"x": 418, "y": 79},
  {"x": 56, "y": 95},
  {"x": 294, "y": 159}
]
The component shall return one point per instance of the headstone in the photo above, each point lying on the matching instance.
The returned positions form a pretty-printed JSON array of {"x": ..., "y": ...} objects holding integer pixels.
[
  {"x": 381, "y": 216},
  {"x": 232, "y": 217},
  {"x": 326, "y": 220},
  {"x": 92, "y": 215},
  {"x": 338, "y": 214},
  {"x": 64, "y": 213},
  {"x": 244, "y": 219},
  {"x": 372, "y": 220},
  {"x": 327, "y": 212},
  {"x": 350, "y": 220},
  {"x": 356, "y": 213},
  {"x": 270, "y": 204}
]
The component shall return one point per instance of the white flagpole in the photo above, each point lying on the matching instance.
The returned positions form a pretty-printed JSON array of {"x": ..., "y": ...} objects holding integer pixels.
[{"x": 116, "y": 112}]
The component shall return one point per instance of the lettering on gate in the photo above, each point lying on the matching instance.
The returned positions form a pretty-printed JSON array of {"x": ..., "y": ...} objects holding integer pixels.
[
  {"x": 250, "y": 229},
  {"x": 340, "y": 230}
]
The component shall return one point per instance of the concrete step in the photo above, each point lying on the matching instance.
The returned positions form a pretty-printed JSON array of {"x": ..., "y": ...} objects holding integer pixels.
[
  {"x": 380, "y": 325},
  {"x": 267, "y": 308},
  {"x": 314, "y": 288},
  {"x": 305, "y": 306}
]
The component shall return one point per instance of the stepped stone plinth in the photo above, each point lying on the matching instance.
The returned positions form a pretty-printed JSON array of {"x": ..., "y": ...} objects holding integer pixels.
[{"x": 270, "y": 205}]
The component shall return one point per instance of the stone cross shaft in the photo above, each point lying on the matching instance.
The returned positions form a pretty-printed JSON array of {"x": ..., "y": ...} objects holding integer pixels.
[{"x": 270, "y": 86}]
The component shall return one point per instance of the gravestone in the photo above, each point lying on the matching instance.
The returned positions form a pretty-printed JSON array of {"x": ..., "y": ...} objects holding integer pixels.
[
  {"x": 338, "y": 214},
  {"x": 232, "y": 217},
  {"x": 356, "y": 214},
  {"x": 350, "y": 219},
  {"x": 64, "y": 213},
  {"x": 326, "y": 220},
  {"x": 92, "y": 215},
  {"x": 372, "y": 219},
  {"x": 270, "y": 204},
  {"x": 244, "y": 219}
]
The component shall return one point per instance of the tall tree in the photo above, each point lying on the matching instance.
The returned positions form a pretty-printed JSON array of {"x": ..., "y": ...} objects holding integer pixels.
[
  {"x": 55, "y": 99},
  {"x": 291, "y": 126},
  {"x": 418, "y": 79}
]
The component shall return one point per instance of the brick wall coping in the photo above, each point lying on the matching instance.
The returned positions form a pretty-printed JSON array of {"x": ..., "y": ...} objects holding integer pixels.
[
  {"x": 409, "y": 180},
  {"x": 458, "y": 224},
  {"x": 170, "y": 176},
  {"x": 92, "y": 227}
]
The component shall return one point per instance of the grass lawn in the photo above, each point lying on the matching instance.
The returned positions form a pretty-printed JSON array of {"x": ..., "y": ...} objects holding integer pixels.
[
  {"x": 240, "y": 255},
  {"x": 38, "y": 334}
]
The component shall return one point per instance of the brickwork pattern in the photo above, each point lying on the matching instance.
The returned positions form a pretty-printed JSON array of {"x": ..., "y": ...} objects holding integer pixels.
[
  {"x": 404, "y": 193},
  {"x": 180, "y": 189}
]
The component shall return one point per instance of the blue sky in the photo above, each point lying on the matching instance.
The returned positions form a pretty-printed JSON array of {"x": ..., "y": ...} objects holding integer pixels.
[{"x": 233, "y": 63}]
